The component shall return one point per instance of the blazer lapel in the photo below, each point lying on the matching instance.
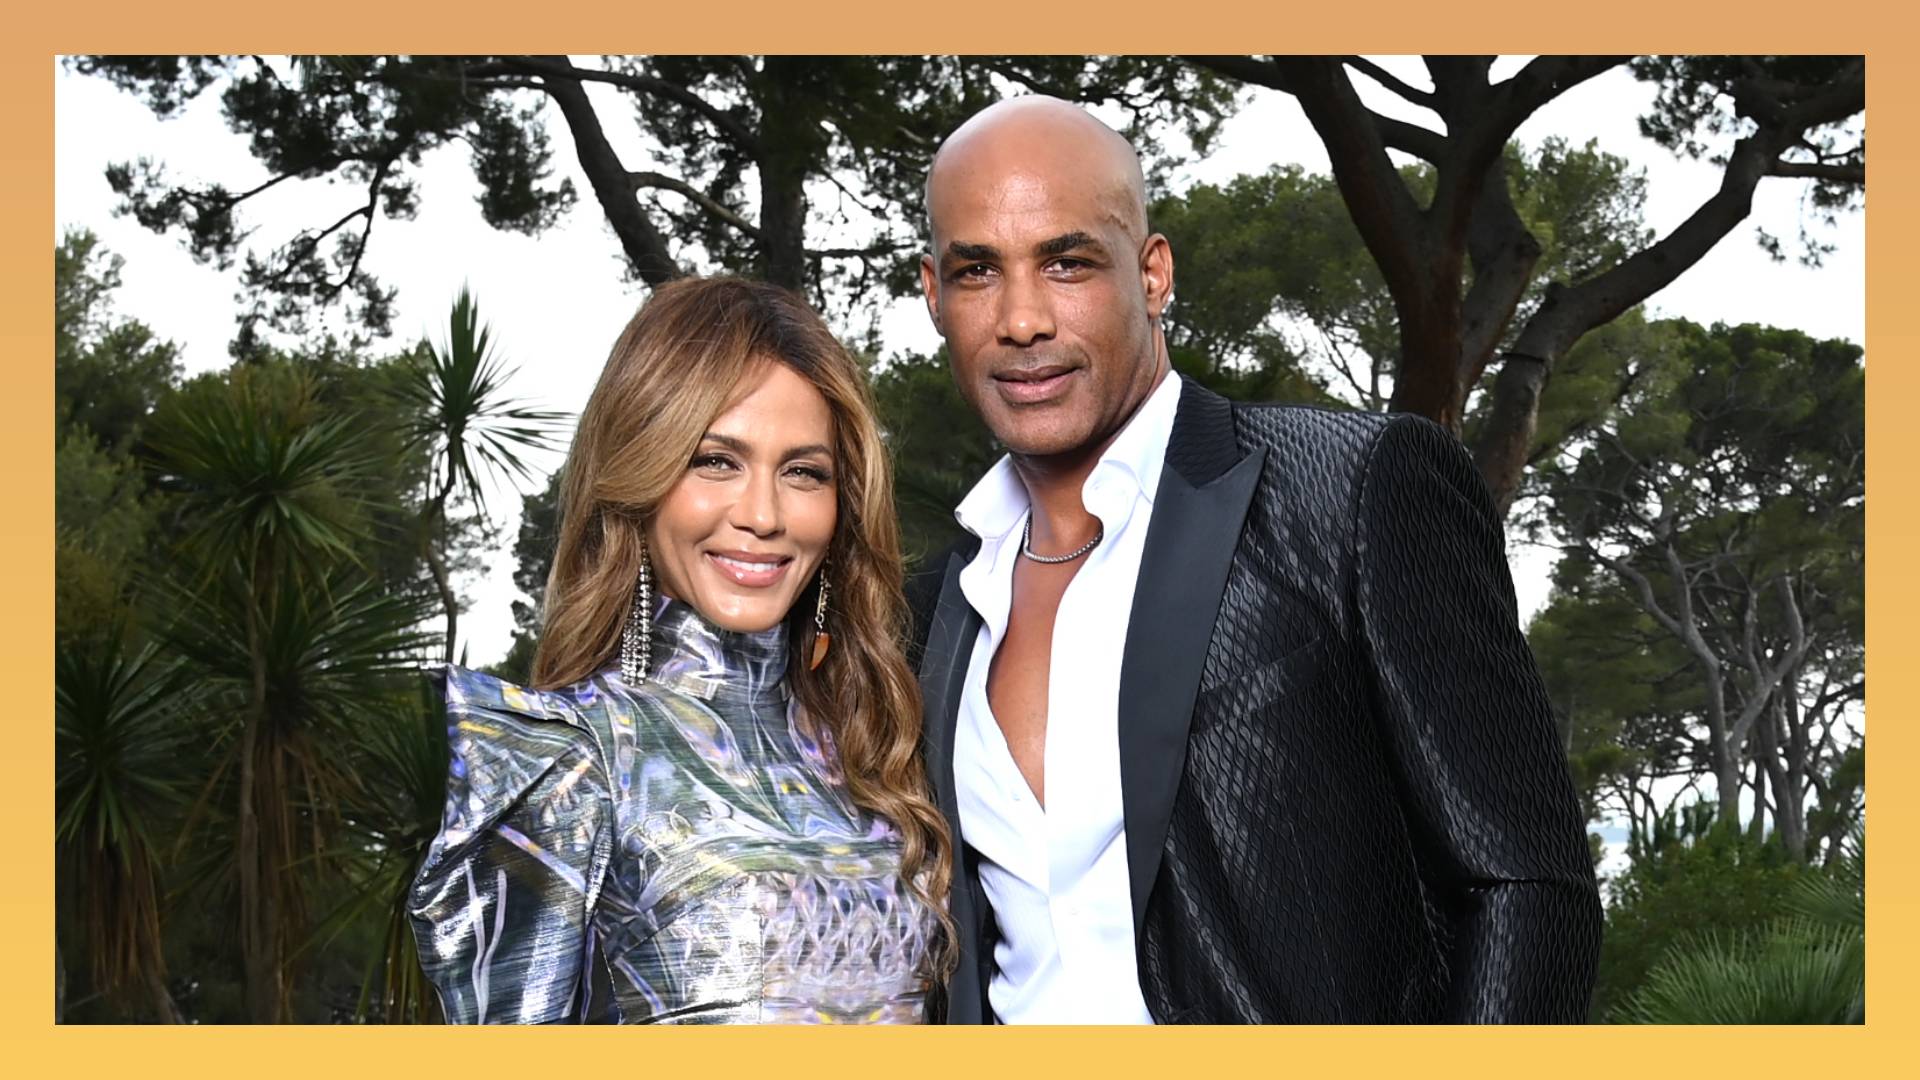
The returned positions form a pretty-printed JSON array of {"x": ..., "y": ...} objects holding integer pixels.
[
  {"x": 1197, "y": 513},
  {"x": 943, "y": 675}
]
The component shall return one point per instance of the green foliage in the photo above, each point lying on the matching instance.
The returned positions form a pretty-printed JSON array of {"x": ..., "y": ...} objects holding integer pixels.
[
  {"x": 1690, "y": 875},
  {"x": 940, "y": 449},
  {"x": 533, "y": 562},
  {"x": 1806, "y": 966},
  {"x": 103, "y": 520},
  {"x": 266, "y": 472},
  {"x": 119, "y": 785},
  {"x": 108, "y": 373}
]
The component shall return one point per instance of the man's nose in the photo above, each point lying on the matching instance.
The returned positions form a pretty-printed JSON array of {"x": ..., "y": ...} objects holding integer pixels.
[{"x": 1026, "y": 310}]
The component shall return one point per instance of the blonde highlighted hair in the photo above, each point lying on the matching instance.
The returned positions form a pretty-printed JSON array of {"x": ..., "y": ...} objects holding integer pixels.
[{"x": 678, "y": 364}]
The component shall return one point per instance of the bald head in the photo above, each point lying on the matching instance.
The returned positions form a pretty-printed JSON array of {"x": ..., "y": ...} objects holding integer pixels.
[
  {"x": 1048, "y": 140},
  {"x": 1043, "y": 280}
]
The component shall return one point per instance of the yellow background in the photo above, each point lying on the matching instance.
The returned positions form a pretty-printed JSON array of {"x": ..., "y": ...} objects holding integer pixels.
[{"x": 37, "y": 31}]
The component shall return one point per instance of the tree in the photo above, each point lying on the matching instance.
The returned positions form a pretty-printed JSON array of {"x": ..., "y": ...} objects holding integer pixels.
[
  {"x": 533, "y": 564},
  {"x": 118, "y": 787},
  {"x": 760, "y": 146},
  {"x": 1806, "y": 966},
  {"x": 467, "y": 425},
  {"x": 109, "y": 374},
  {"x": 1725, "y": 497},
  {"x": 1691, "y": 874},
  {"x": 1289, "y": 285},
  {"x": 1792, "y": 116},
  {"x": 273, "y": 619}
]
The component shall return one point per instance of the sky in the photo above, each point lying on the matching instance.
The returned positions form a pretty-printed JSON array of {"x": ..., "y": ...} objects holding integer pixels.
[{"x": 556, "y": 302}]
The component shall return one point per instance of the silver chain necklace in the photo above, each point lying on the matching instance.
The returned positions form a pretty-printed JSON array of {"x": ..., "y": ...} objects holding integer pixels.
[{"x": 1026, "y": 538}]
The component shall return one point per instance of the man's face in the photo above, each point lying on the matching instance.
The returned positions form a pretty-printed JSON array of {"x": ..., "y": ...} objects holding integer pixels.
[{"x": 1046, "y": 293}]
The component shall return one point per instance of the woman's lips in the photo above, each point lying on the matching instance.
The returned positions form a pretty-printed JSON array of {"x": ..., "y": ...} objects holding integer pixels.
[
  {"x": 1028, "y": 390},
  {"x": 752, "y": 571}
]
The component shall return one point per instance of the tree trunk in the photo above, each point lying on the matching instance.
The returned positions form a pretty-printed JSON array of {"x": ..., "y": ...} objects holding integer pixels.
[
  {"x": 259, "y": 923},
  {"x": 787, "y": 148},
  {"x": 646, "y": 249},
  {"x": 442, "y": 581},
  {"x": 1428, "y": 381},
  {"x": 1506, "y": 437}
]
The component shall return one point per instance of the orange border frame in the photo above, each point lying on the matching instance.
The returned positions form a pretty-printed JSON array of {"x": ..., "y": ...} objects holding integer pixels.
[{"x": 348, "y": 26}]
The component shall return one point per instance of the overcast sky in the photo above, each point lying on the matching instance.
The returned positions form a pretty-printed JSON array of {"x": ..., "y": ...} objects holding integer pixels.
[{"x": 556, "y": 302}]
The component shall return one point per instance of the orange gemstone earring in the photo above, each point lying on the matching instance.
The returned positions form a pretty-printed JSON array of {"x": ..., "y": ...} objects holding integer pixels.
[{"x": 821, "y": 639}]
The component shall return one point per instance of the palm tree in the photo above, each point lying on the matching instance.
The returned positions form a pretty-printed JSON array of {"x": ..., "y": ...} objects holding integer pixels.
[
  {"x": 393, "y": 817},
  {"x": 118, "y": 781},
  {"x": 283, "y": 639},
  {"x": 465, "y": 421},
  {"x": 1809, "y": 967}
]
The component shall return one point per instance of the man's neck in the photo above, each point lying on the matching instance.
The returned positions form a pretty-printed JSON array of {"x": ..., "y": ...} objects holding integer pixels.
[{"x": 1054, "y": 482}]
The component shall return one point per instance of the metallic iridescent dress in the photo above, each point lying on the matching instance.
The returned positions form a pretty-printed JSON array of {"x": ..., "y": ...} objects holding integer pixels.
[{"x": 679, "y": 851}]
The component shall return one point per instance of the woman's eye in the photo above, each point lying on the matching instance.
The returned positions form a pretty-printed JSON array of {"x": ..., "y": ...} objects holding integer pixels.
[
  {"x": 811, "y": 474},
  {"x": 716, "y": 462}
]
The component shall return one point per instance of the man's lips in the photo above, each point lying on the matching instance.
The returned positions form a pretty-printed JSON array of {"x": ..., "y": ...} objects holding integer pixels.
[
  {"x": 756, "y": 570},
  {"x": 1030, "y": 386}
]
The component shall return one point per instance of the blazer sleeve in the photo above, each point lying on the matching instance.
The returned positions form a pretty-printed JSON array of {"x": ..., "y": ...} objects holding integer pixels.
[
  {"x": 1484, "y": 779},
  {"x": 502, "y": 904}
]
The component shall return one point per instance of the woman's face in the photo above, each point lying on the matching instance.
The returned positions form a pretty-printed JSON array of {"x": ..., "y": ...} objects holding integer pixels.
[{"x": 749, "y": 522}]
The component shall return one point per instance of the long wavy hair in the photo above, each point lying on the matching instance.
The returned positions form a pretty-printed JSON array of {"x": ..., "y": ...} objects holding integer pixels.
[{"x": 680, "y": 362}]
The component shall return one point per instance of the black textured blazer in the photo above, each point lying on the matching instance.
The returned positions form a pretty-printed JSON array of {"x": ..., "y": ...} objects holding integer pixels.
[{"x": 1344, "y": 798}]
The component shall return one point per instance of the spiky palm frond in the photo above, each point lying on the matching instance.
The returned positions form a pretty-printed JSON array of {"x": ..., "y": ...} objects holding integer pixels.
[
  {"x": 457, "y": 392},
  {"x": 392, "y": 820},
  {"x": 1795, "y": 973},
  {"x": 1837, "y": 897},
  {"x": 119, "y": 780},
  {"x": 264, "y": 470},
  {"x": 335, "y": 653}
]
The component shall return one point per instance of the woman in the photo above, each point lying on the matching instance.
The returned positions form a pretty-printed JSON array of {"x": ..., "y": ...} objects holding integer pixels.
[{"x": 709, "y": 807}]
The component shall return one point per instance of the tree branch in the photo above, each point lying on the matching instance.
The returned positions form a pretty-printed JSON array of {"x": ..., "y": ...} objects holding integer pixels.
[
  {"x": 1389, "y": 80},
  {"x": 1818, "y": 170},
  {"x": 561, "y": 68},
  {"x": 700, "y": 198},
  {"x": 645, "y": 248},
  {"x": 1383, "y": 210}
]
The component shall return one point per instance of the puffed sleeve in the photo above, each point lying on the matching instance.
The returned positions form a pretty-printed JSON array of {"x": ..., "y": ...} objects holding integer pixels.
[{"x": 502, "y": 904}]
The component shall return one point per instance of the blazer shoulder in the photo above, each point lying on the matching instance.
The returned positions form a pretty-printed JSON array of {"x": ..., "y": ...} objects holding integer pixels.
[
  {"x": 1270, "y": 423},
  {"x": 923, "y": 585}
]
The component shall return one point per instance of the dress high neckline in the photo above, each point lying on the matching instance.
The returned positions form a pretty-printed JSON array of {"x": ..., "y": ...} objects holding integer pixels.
[{"x": 695, "y": 656}]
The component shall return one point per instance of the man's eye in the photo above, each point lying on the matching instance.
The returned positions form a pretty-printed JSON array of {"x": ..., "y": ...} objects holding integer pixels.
[
  {"x": 976, "y": 270},
  {"x": 1071, "y": 266}
]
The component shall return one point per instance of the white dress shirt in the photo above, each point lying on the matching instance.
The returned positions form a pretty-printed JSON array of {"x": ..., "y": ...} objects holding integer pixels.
[{"x": 1057, "y": 877}]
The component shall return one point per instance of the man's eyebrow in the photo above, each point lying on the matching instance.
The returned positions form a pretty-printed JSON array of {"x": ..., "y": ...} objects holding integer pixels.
[
  {"x": 971, "y": 252},
  {"x": 1066, "y": 242}
]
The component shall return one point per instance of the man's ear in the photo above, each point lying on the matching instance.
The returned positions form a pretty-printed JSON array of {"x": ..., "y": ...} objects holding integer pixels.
[
  {"x": 1156, "y": 273},
  {"x": 930, "y": 288}
]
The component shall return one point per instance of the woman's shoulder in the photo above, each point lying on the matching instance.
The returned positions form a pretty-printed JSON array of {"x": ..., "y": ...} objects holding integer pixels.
[{"x": 466, "y": 689}]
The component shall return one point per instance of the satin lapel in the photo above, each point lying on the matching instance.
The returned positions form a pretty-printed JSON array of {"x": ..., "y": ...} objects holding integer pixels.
[
  {"x": 943, "y": 675},
  {"x": 1183, "y": 572}
]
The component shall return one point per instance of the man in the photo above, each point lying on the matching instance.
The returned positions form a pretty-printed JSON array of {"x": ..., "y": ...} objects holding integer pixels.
[{"x": 1226, "y": 704}]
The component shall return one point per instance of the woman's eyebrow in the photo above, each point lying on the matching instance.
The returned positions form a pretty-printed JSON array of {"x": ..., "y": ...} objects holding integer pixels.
[{"x": 742, "y": 446}]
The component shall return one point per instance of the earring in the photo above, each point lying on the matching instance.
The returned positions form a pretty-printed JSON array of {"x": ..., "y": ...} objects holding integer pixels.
[
  {"x": 636, "y": 638},
  {"x": 821, "y": 639}
]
